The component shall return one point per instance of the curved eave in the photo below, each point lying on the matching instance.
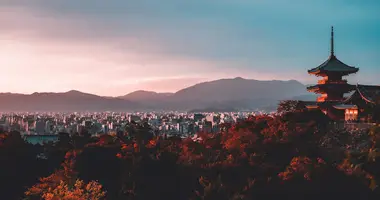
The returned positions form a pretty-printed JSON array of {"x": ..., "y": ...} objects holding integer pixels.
[
  {"x": 323, "y": 87},
  {"x": 320, "y": 72},
  {"x": 364, "y": 97},
  {"x": 345, "y": 106},
  {"x": 312, "y": 106},
  {"x": 314, "y": 88},
  {"x": 314, "y": 72},
  {"x": 348, "y": 99},
  {"x": 336, "y": 66},
  {"x": 319, "y": 89},
  {"x": 361, "y": 91}
]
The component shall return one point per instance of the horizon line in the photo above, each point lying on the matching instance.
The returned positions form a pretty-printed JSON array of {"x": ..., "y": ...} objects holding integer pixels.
[{"x": 75, "y": 90}]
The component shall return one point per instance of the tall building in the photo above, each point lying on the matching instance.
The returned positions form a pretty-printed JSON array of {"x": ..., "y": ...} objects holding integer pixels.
[
  {"x": 48, "y": 127},
  {"x": 332, "y": 88},
  {"x": 40, "y": 127}
]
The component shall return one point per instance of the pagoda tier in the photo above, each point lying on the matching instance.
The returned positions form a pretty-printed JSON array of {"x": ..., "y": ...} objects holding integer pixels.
[
  {"x": 333, "y": 66},
  {"x": 331, "y": 88}
]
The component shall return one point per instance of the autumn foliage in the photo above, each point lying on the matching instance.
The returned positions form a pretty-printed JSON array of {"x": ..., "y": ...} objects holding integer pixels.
[{"x": 262, "y": 157}]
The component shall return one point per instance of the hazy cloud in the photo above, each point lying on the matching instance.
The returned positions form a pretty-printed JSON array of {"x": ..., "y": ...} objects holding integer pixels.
[{"x": 87, "y": 44}]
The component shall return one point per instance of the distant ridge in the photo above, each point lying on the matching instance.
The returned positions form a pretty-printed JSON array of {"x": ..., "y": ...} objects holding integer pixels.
[
  {"x": 142, "y": 95},
  {"x": 231, "y": 94},
  {"x": 66, "y": 101}
]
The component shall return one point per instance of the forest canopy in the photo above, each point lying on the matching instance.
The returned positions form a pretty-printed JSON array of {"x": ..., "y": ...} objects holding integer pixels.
[{"x": 262, "y": 157}]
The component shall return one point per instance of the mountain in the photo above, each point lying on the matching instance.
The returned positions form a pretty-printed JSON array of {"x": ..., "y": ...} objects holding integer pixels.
[
  {"x": 68, "y": 101},
  {"x": 142, "y": 95},
  {"x": 151, "y": 100},
  {"x": 239, "y": 88},
  {"x": 238, "y": 93},
  {"x": 224, "y": 94},
  {"x": 231, "y": 94}
]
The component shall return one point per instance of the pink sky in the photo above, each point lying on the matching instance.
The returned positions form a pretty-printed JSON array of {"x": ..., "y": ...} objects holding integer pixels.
[
  {"x": 40, "y": 54},
  {"x": 115, "y": 48},
  {"x": 41, "y": 65}
]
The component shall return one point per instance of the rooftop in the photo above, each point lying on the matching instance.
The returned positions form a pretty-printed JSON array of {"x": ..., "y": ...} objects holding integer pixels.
[
  {"x": 333, "y": 64},
  {"x": 369, "y": 93},
  {"x": 322, "y": 88},
  {"x": 345, "y": 106}
]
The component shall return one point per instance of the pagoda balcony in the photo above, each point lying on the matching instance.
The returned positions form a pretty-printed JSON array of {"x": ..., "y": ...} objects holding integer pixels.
[{"x": 324, "y": 81}]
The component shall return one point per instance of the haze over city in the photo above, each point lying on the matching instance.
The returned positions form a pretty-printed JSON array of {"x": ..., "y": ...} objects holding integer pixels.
[{"x": 115, "y": 47}]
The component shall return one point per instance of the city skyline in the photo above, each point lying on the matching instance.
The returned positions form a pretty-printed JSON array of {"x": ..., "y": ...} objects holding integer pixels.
[{"x": 118, "y": 47}]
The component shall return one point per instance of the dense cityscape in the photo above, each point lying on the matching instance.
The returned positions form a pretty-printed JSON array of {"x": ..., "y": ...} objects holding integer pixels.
[{"x": 44, "y": 127}]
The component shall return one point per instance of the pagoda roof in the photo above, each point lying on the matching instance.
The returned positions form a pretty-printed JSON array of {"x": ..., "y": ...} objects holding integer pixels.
[
  {"x": 324, "y": 87},
  {"x": 345, "y": 106},
  {"x": 311, "y": 104},
  {"x": 333, "y": 64},
  {"x": 369, "y": 93},
  {"x": 315, "y": 104}
]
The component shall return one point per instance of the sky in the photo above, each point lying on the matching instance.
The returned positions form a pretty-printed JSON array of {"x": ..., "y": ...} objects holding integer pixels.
[{"x": 115, "y": 47}]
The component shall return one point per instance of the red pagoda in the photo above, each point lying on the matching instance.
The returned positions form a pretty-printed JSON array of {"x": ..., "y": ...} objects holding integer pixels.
[{"x": 332, "y": 86}]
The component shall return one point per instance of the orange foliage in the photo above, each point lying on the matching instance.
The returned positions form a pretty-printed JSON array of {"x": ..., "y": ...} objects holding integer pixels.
[
  {"x": 80, "y": 191},
  {"x": 66, "y": 175},
  {"x": 301, "y": 166},
  {"x": 254, "y": 147}
]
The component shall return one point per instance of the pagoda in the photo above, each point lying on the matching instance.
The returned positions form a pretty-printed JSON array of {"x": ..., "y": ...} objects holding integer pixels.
[{"x": 332, "y": 86}]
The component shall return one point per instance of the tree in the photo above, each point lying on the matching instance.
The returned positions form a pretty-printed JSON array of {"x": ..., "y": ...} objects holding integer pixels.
[
  {"x": 19, "y": 165},
  {"x": 286, "y": 106},
  {"x": 80, "y": 191}
]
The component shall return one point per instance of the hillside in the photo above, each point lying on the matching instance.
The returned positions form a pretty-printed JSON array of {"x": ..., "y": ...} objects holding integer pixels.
[
  {"x": 67, "y": 101},
  {"x": 231, "y": 94}
]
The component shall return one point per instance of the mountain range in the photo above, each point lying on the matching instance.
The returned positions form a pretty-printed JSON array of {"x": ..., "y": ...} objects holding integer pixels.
[{"x": 218, "y": 95}]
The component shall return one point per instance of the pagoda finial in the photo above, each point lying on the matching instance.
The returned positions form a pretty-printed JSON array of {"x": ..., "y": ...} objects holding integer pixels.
[{"x": 332, "y": 40}]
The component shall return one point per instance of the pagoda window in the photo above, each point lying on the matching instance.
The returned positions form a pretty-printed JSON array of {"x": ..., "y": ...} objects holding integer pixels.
[{"x": 351, "y": 115}]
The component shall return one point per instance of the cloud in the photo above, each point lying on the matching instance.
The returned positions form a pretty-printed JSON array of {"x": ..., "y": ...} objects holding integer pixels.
[
  {"x": 110, "y": 47},
  {"x": 54, "y": 54},
  {"x": 58, "y": 53}
]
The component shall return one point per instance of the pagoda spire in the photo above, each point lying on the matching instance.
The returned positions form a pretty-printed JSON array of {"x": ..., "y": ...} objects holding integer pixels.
[{"x": 332, "y": 41}]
